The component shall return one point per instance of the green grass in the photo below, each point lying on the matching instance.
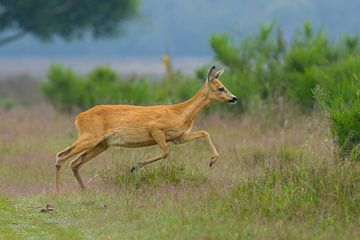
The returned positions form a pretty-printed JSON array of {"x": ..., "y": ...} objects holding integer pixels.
[
  {"x": 174, "y": 174},
  {"x": 298, "y": 192},
  {"x": 22, "y": 220},
  {"x": 297, "y": 202}
]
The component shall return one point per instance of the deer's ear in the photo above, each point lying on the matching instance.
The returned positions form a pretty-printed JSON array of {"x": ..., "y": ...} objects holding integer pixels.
[
  {"x": 221, "y": 71},
  {"x": 212, "y": 74}
]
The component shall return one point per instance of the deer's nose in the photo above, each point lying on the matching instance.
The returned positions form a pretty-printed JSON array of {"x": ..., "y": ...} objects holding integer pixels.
[{"x": 233, "y": 100}]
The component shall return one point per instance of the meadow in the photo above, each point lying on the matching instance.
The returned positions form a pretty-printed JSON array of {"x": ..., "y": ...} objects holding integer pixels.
[
  {"x": 277, "y": 178},
  {"x": 289, "y": 153}
]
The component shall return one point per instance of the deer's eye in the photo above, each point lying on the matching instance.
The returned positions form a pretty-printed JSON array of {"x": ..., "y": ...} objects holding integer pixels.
[{"x": 221, "y": 89}]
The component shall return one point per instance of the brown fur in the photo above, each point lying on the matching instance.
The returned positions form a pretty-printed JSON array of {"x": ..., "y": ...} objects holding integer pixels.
[{"x": 138, "y": 126}]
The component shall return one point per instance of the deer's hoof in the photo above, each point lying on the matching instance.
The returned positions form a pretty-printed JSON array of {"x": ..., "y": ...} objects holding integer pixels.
[{"x": 213, "y": 160}]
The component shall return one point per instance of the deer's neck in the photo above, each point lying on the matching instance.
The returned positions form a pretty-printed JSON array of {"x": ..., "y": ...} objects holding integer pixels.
[{"x": 193, "y": 106}]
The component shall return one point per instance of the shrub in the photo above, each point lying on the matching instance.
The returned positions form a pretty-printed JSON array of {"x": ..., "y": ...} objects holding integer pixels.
[
  {"x": 253, "y": 65},
  {"x": 67, "y": 91},
  {"x": 262, "y": 68},
  {"x": 62, "y": 88},
  {"x": 344, "y": 114}
]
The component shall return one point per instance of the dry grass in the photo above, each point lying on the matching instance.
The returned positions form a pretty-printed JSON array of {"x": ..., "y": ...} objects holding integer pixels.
[
  {"x": 181, "y": 192},
  {"x": 30, "y": 138}
]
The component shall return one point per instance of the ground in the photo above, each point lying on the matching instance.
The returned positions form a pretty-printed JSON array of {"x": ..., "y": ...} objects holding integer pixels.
[{"x": 275, "y": 179}]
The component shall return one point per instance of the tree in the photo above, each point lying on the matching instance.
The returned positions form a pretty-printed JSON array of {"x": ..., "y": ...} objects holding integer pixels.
[{"x": 67, "y": 19}]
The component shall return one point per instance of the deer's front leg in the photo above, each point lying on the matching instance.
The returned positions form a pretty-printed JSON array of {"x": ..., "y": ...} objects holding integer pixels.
[
  {"x": 159, "y": 137},
  {"x": 187, "y": 137}
]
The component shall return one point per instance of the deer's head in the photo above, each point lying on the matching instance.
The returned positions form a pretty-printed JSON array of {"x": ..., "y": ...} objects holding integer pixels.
[{"x": 217, "y": 91}]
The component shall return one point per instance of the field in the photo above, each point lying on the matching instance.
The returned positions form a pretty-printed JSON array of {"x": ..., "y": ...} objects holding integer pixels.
[{"x": 274, "y": 180}]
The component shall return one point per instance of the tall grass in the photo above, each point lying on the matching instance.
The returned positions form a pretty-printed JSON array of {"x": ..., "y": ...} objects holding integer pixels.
[{"x": 298, "y": 191}]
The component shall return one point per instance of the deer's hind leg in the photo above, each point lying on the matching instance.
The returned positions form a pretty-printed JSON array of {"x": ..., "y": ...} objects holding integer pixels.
[
  {"x": 79, "y": 146},
  {"x": 85, "y": 157}
]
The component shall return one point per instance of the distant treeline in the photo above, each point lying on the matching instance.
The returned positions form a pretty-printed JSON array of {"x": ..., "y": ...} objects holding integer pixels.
[
  {"x": 260, "y": 69},
  {"x": 68, "y": 91}
]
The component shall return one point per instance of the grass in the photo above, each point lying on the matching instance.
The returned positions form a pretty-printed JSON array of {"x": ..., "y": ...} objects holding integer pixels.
[
  {"x": 165, "y": 174},
  {"x": 270, "y": 182}
]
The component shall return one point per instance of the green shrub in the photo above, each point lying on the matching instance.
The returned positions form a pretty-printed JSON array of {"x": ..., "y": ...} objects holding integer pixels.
[
  {"x": 344, "y": 114},
  {"x": 254, "y": 65},
  {"x": 99, "y": 86},
  {"x": 262, "y": 68},
  {"x": 67, "y": 91},
  {"x": 62, "y": 89}
]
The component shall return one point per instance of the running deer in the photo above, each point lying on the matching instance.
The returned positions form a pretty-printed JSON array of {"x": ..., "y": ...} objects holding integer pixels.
[{"x": 138, "y": 126}]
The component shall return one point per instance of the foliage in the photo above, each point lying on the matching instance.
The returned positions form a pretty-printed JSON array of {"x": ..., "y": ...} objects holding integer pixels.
[
  {"x": 262, "y": 66},
  {"x": 344, "y": 115},
  {"x": 263, "y": 70},
  {"x": 66, "y": 19},
  {"x": 254, "y": 64},
  {"x": 62, "y": 90},
  {"x": 68, "y": 91}
]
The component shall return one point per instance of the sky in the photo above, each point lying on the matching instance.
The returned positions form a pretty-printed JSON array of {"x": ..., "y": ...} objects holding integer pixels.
[{"x": 182, "y": 28}]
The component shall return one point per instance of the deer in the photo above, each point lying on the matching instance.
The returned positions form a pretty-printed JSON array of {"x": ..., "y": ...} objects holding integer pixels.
[{"x": 133, "y": 126}]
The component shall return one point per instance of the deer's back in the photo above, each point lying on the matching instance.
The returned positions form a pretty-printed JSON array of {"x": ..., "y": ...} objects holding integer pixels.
[{"x": 128, "y": 120}]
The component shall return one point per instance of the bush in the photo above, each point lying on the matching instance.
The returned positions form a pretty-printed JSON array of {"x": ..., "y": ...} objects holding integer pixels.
[
  {"x": 62, "y": 88},
  {"x": 344, "y": 115},
  {"x": 67, "y": 91},
  {"x": 254, "y": 65},
  {"x": 262, "y": 71},
  {"x": 262, "y": 68}
]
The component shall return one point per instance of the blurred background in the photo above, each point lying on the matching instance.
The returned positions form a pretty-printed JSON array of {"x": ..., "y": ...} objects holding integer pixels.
[
  {"x": 74, "y": 54},
  {"x": 149, "y": 29}
]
